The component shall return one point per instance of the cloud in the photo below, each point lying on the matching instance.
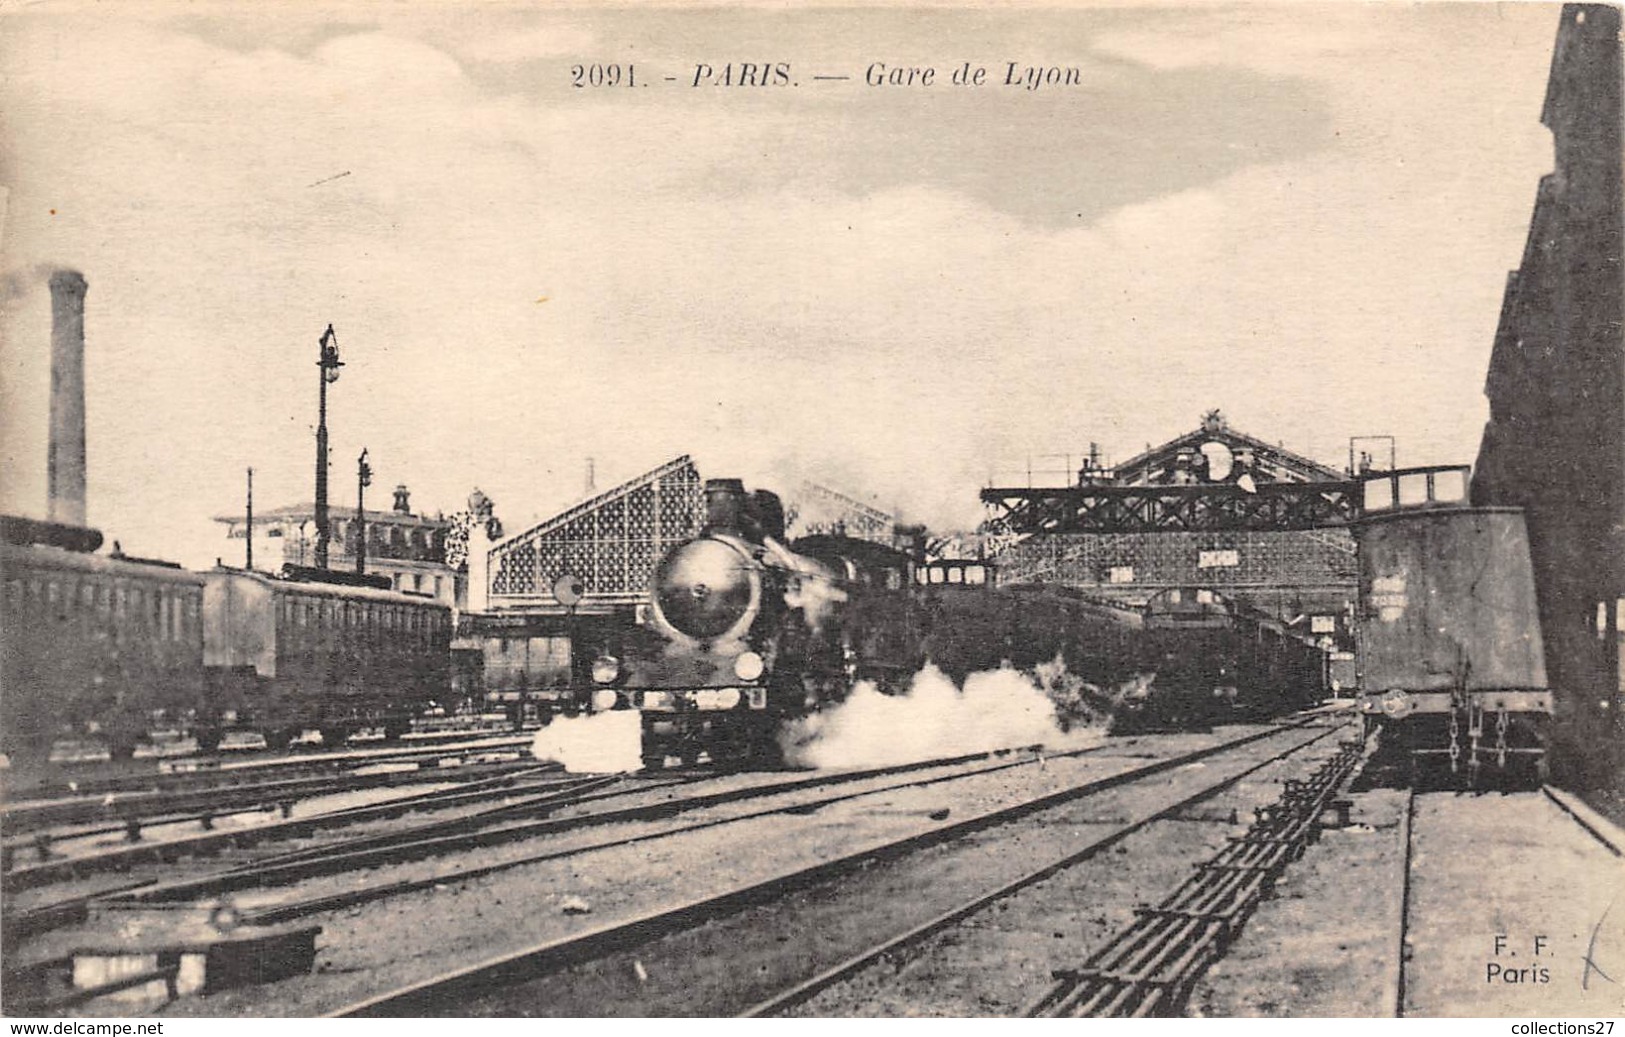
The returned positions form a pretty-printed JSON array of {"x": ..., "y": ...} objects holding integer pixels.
[
  {"x": 896, "y": 293},
  {"x": 547, "y": 41}
]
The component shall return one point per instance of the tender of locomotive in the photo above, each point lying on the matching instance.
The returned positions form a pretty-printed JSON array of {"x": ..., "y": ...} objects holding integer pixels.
[
  {"x": 1448, "y": 639},
  {"x": 755, "y": 633},
  {"x": 289, "y": 654},
  {"x": 92, "y": 645},
  {"x": 1217, "y": 661}
]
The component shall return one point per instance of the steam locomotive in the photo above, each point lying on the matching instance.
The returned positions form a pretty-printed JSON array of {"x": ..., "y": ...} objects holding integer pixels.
[
  {"x": 110, "y": 647},
  {"x": 1217, "y": 661},
  {"x": 1448, "y": 639},
  {"x": 754, "y": 632}
]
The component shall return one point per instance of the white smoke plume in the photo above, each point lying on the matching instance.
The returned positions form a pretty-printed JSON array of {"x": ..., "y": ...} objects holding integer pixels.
[
  {"x": 816, "y": 597},
  {"x": 603, "y": 743},
  {"x": 1079, "y": 703},
  {"x": 996, "y": 709}
]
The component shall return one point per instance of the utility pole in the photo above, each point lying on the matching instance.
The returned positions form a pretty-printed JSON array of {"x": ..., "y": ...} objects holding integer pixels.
[
  {"x": 363, "y": 479},
  {"x": 328, "y": 364},
  {"x": 250, "y": 565}
]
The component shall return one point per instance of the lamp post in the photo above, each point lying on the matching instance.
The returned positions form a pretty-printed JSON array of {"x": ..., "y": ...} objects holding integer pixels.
[
  {"x": 363, "y": 479},
  {"x": 250, "y": 565},
  {"x": 328, "y": 363}
]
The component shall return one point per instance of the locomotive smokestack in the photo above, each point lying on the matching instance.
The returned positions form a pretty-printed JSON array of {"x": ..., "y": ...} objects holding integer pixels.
[
  {"x": 768, "y": 512},
  {"x": 65, "y": 463},
  {"x": 724, "y": 505}
]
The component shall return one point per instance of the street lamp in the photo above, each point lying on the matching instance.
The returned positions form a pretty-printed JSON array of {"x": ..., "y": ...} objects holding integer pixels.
[
  {"x": 328, "y": 363},
  {"x": 363, "y": 479}
]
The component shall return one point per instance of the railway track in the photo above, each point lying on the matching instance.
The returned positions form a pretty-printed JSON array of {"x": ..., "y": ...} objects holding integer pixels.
[
  {"x": 1149, "y": 968},
  {"x": 533, "y": 784},
  {"x": 508, "y": 822},
  {"x": 191, "y": 773},
  {"x": 45, "y": 913},
  {"x": 647, "y": 965},
  {"x": 40, "y": 828},
  {"x": 369, "y": 850},
  {"x": 805, "y": 798}
]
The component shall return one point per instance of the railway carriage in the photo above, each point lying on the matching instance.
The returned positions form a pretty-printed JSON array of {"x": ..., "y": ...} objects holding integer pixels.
[
  {"x": 1217, "y": 661},
  {"x": 92, "y": 645},
  {"x": 286, "y": 654}
]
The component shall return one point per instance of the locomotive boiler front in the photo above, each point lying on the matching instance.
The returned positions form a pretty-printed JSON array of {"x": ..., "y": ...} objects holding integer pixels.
[
  {"x": 708, "y": 589},
  {"x": 754, "y": 632}
]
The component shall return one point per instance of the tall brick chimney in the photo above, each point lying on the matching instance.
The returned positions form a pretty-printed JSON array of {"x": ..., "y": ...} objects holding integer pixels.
[{"x": 65, "y": 464}]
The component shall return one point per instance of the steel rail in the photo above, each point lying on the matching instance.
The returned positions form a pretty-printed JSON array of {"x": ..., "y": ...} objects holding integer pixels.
[
  {"x": 301, "y": 908},
  {"x": 1150, "y": 968},
  {"x": 442, "y": 994},
  {"x": 311, "y": 763},
  {"x": 16, "y": 924},
  {"x": 157, "y": 808},
  {"x": 1599, "y": 827},
  {"x": 167, "y": 850},
  {"x": 394, "y": 849},
  {"x": 806, "y": 990},
  {"x": 1396, "y": 989}
]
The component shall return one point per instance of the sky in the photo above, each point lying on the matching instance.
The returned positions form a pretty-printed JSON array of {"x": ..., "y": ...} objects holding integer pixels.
[{"x": 1302, "y": 214}]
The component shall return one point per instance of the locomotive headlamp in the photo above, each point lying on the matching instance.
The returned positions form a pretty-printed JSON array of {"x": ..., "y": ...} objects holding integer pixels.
[
  {"x": 605, "y": 669},
  {"x": 748, "y": 666},
  {"x": 604, "y": 699}
]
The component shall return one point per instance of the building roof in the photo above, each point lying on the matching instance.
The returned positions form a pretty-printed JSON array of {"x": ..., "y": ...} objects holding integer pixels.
[
  {"x": 1271, "y": 462},
  {"x": 610, "y": 542},
  {"x": 337, "y": 513}
]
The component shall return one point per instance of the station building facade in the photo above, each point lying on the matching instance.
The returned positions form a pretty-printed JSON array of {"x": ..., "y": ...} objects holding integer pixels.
[
  {"x": 1163, "y": 520},
  {"x": 408, "y": 547}
]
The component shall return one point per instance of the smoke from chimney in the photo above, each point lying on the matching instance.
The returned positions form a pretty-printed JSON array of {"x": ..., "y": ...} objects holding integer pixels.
[{"x": 65, "y": 462}]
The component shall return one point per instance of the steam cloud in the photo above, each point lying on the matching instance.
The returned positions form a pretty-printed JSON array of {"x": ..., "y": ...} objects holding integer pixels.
[
  {"x": 997, "y": 709},
  {"x": 816, "y": 598},
  {"x": 603, "y": 743}
]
